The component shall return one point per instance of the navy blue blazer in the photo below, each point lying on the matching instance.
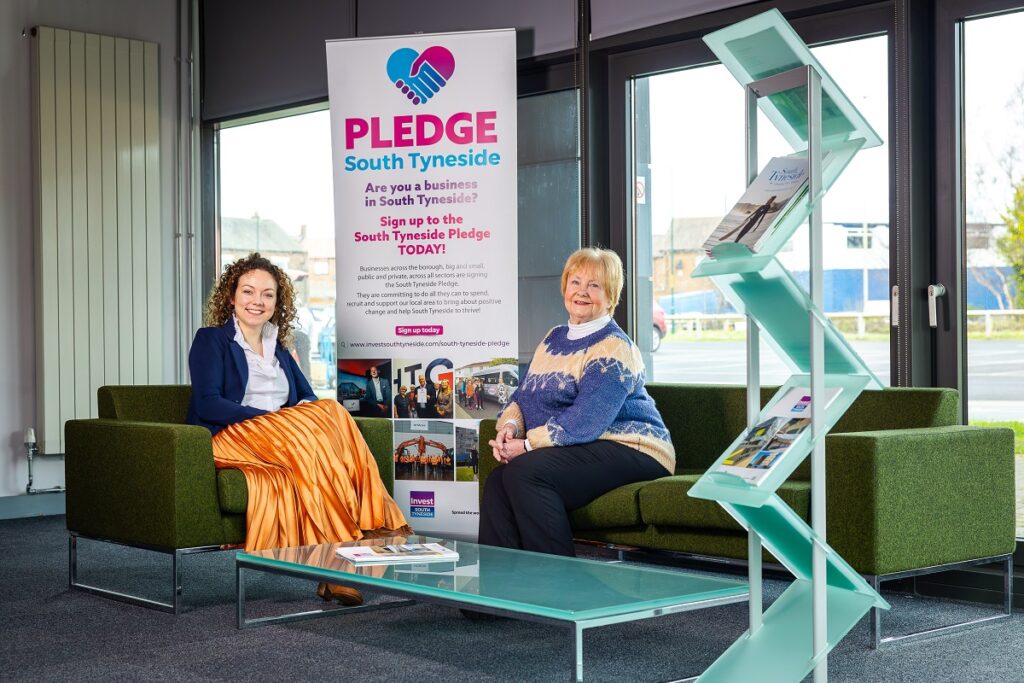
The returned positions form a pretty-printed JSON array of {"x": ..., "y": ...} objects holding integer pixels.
[{"x": 220, "y": 374}]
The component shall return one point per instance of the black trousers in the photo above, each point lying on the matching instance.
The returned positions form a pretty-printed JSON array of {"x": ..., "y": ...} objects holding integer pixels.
[{"x": 526, "y": 502}]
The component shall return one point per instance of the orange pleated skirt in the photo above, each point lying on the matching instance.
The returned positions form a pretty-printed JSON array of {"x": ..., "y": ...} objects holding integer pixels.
[{"x": 311, "y": 477}]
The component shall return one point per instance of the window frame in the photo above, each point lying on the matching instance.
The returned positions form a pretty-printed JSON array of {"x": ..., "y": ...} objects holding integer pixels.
[
  {"x": 689, "y": 51},
  {"x": 950, "y": 188},
  {"x": 950, "y": 185}
]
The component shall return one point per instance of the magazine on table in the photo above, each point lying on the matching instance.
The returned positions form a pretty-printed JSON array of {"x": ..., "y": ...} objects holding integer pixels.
[
  {"x": 396, "y": 553},
  {"x": 769, "y": 440},
  {"x": 764, "y": 203}
]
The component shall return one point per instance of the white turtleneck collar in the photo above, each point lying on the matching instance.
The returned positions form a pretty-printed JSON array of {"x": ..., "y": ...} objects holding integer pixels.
[{"x": 583, "y": 329}]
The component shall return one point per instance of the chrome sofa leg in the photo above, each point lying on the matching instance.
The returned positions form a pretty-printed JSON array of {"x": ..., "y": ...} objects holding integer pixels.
[
  {"x": 173, "y": 607},
  {"x": 1008, "y": 586},
  {"x": 72, "y": 560},
  {"x": 877, "y": 639},
  {"x": 176, "y": 574},
  {"x": 876, "y": 614}
]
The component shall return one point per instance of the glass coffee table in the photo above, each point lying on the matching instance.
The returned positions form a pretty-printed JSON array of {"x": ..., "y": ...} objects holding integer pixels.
[{"x": 567, "y": 591}]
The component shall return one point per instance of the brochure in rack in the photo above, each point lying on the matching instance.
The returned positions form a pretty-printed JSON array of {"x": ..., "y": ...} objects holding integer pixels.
[
  {"x": 766, "y": 444},
  {"x": 770, "y": 197},
  {"x": 397, "y": 553}
]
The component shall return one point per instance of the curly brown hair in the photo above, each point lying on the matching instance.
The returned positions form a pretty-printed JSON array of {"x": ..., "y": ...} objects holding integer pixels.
[{"x": 219, "y": 307}]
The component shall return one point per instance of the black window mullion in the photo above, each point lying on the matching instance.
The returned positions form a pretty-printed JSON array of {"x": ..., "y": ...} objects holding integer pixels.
[{"x": 951, "y": 341}]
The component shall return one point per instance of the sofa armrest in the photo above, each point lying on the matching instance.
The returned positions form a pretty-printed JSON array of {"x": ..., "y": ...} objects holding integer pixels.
[
  {"x": 913, "y": 498},
  {"x": 378, "y": 434},
  {"x": 142, "y": 483},
  {"x": 488, "y": 430}
]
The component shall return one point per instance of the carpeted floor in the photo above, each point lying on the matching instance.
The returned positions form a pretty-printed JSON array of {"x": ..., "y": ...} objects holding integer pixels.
[{"x": 48, "y": 633}]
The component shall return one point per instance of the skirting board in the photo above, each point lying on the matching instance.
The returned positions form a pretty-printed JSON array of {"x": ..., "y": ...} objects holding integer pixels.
[{"x": 35, "y": 505}]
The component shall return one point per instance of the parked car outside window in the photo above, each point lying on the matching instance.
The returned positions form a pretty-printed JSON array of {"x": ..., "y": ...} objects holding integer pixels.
[{"x": 660, "y": 328}]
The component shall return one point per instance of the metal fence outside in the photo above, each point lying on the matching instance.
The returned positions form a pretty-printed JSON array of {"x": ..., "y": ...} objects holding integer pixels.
[{"x": 979, "y": 323}]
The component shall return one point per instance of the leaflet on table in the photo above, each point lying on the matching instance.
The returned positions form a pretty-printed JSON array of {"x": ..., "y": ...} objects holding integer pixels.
[
  {"x": 768, "y": 441},
  {"x": 766, "y": 200},
  {"x": 404, "y": 552}
]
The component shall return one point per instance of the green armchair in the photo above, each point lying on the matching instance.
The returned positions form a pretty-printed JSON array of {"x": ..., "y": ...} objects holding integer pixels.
[{"x": 139, "y": 476}]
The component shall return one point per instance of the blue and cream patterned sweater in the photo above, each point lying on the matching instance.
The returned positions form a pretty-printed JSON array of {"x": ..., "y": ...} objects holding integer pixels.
[{"x": 581, "y": 390}]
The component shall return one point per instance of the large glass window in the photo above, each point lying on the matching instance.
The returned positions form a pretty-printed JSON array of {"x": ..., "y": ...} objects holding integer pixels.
[
  {"x": 994, "y": 231},
  {"x": 276, "y": 198},
  {"x": 693, "y": 125}
]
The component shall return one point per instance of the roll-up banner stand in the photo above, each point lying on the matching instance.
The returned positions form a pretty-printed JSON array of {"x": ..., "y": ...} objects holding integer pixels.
[{"x": 423, "y": 133}]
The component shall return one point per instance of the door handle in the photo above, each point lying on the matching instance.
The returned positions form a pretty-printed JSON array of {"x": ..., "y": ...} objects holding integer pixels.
[
  {"x": 934, "y": 292},
  {"x": 894, "y": 304}
]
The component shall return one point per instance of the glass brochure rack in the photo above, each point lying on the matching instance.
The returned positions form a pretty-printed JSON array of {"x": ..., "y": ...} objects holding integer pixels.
[{"x": 828, "y": 597}]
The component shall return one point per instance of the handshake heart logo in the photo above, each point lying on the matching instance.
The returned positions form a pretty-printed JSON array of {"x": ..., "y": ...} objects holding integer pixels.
[{"x": 420, "y": 75}]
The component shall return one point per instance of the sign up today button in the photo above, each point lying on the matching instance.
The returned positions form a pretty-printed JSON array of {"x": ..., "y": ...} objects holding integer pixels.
[{"x": 419, "y": 330}]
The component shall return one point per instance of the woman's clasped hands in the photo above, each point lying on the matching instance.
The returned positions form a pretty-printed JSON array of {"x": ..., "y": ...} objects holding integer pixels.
[{"x": 506, "y": 446}]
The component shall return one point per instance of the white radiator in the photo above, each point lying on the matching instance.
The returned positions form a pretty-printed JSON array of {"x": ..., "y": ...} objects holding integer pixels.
[{"x": 98, "y": 235}]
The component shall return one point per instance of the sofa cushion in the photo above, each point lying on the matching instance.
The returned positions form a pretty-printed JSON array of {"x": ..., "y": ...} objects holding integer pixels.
[
  {"x": 618, "y": 508},
  {"x": 664, "y": 502},
  {"x": 635, "y": 536},
  {"x": 232, "y": 492}
]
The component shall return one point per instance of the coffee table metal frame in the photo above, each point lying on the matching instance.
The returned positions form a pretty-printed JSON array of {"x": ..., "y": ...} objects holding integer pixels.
[{"x": 243, "y": 562}]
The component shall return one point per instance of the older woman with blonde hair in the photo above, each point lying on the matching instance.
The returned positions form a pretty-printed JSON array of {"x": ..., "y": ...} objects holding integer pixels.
[
  {"x": 580, "y": 423},
  {"x": 311, "y": 477}
]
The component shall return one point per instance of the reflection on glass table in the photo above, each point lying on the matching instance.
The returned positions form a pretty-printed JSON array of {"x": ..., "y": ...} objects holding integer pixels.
[{"x": 568, "y": 591}]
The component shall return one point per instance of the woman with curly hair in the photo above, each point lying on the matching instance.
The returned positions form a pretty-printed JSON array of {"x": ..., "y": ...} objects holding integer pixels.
[{"x": 311, "y": 477}]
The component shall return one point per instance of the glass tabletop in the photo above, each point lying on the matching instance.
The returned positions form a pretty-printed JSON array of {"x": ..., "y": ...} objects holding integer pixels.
[{"x": 564, "y": 588}]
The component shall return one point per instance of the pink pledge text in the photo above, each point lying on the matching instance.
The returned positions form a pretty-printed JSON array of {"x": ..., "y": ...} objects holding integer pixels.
[{"x": 423, "y": 130}]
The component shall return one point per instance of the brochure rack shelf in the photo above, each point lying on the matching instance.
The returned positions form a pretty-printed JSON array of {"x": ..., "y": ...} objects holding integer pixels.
[
  {"x": 833, "y": 165},
  {"x": 828, "y": 597}
]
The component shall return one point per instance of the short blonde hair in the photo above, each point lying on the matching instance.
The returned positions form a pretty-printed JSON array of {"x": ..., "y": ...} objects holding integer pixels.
[{"x": 605, "y": 264}]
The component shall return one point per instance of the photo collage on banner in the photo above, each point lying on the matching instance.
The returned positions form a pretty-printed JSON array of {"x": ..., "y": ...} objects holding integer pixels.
[{"x": 424, "y": 159}]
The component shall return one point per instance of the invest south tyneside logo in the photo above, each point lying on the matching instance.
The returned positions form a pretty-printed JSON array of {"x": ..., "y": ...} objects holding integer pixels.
[
  {"x": 421, "y": 503},
  {"x": 420, "y": 75}
]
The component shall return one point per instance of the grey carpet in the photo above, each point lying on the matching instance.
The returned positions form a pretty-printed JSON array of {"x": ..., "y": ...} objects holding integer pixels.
[{"x": 52, "y": 634}]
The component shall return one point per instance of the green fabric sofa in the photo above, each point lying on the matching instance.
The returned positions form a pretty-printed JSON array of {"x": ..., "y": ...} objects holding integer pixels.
[
  {"x": 139, "y": 476},
  {"x": 908, "y": 487}
]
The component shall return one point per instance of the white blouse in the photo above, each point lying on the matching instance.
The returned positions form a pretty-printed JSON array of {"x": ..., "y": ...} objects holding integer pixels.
[{"x": 267, "y": 388}]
